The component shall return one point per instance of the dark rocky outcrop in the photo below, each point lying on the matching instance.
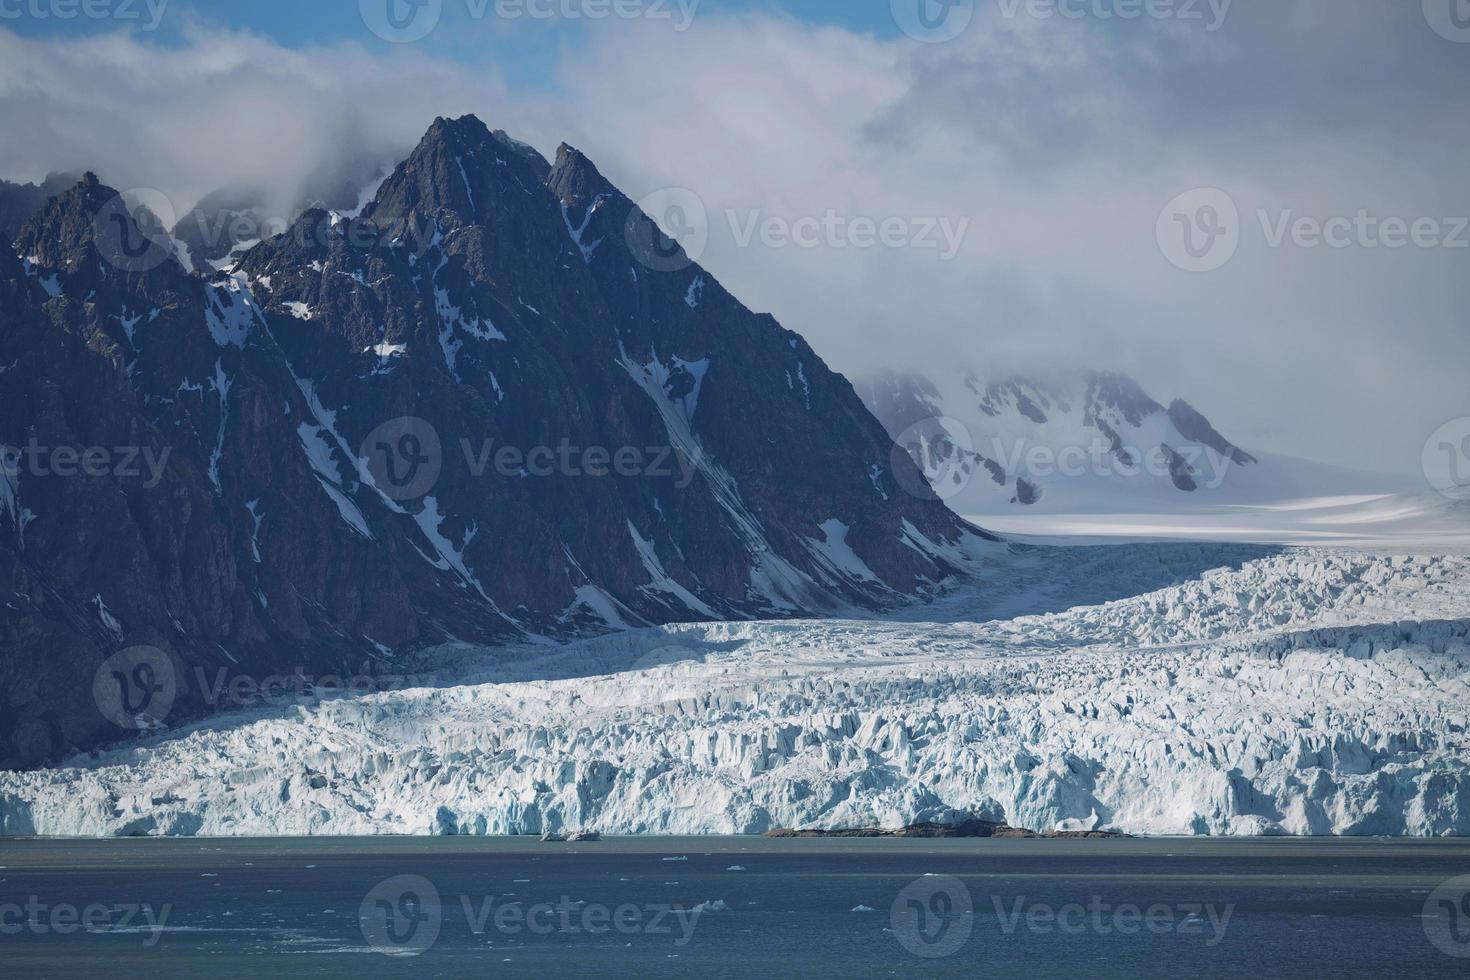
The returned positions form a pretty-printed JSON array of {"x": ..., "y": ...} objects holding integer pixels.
[
  {"x": 19, "y": 201},
  {"x": 1192, "y": 425},
  {"x": 469, "y": 414},
  {"x": 964, "y": 828}
]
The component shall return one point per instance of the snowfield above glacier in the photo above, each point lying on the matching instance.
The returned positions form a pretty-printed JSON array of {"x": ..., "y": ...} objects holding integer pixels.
[{"x": 1148, "y": 689}]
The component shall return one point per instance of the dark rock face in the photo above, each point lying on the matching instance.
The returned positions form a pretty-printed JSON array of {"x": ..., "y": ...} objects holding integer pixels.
[
  {"x": 1180, "y": 471},
  {"x": 1117, "y": 397},
  {"x": 1031, "y": 400},
  {"x": 229, "y": 221},
  {"x": 1027, "y": 493},
  {"x": 470, "y": 414},
  {"x": 1192, "y": 425},
  {"x": 963, "y": 829},
  {"x": 19, "y": 201},
  {"x": 900, "y": 400}
]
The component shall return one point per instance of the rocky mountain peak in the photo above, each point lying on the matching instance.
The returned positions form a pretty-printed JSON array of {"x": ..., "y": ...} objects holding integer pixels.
[
  {"x": 470, "y": 414},
  {"x": 19, "y": 201},
  {"x": 1113, "y": 397},
  {"x": 452, "y": 169},
  {"x": 1194, "y": 426},
  {"x": 96, "y": 240},
  {"x": 575, "y": 179},
  {"x": 60, "y": 232}
]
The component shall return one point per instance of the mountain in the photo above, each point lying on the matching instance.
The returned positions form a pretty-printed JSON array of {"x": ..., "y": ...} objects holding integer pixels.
[
  {"x": 19, "y": 201},
  {"x": 469, "y": 414},
  {"x": 229, "y": 221},
  {"x": 1091, "y": 439}
]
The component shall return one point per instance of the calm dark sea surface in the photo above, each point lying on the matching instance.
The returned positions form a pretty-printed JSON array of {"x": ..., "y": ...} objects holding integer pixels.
[{"x": 733, "y": 907}]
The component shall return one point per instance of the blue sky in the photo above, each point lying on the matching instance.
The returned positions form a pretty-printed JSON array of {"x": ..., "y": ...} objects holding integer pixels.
[
  {"x": 1061, "y": 140},
  {"x": 524, "y": 50}
]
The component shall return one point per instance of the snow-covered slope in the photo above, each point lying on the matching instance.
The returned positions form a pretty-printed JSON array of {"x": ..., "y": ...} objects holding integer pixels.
[
  {"x": 1084, "y": 443},
  {"x": 1422, "y": 522},
  {"x": 1301, "y": 692}
]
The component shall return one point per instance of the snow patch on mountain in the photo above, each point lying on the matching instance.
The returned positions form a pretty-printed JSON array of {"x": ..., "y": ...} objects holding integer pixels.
[{"x": 232, "y": 312}]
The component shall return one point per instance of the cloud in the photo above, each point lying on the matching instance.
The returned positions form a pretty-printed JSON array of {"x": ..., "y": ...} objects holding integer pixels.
[
  {"x": 220, "y": 109},
  {"x": 1055, "y": 142}
]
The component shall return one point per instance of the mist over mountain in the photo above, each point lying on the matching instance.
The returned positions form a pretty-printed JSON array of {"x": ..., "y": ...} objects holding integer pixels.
[
  {"x": 1062, "y": 181},
  {"x": 1063, "y": 441}
]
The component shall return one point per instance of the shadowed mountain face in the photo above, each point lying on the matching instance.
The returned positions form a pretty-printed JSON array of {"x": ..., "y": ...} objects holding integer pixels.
[
  {"x": 476, "y": 412},
  {"x": 19, "y": 201}
]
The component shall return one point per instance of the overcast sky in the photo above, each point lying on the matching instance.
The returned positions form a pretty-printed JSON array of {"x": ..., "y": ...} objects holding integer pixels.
[{"x": 1046, "y": 146}]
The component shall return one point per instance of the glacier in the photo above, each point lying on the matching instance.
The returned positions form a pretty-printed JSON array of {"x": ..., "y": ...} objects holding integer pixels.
[{"x": 1146, "y": 689}]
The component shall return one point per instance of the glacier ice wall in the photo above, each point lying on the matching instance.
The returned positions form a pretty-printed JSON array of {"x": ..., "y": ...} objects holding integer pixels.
[{"x": 1310, "y": 692}]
